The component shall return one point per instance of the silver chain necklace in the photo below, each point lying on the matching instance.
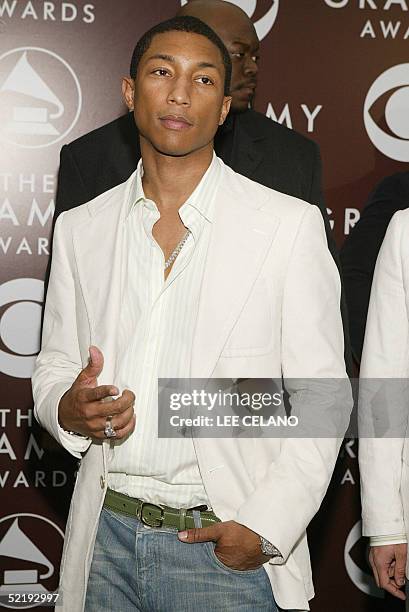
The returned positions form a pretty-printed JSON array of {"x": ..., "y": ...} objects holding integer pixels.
[{"x": 176, "y": 251}]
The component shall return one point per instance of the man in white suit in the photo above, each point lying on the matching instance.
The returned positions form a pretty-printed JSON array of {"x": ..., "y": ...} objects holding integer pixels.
[
  {"x": 188, "y": 270},
  {"x": 384, "y": 412}
]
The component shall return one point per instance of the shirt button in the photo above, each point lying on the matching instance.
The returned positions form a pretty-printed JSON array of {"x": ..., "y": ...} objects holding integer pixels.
[{"x": 102, "y": 482}]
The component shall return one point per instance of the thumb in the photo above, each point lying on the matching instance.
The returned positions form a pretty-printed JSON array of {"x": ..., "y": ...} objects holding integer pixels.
[
  {"x": 93, "y": 368},
  {"x": 200, "y": 534}
]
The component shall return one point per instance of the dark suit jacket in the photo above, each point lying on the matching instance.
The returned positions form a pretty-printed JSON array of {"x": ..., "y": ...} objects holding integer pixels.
[
  {"x": 261, "y": 149},
  {"x": 249, "y": 142},
  {"x": 360, "y": 250}
]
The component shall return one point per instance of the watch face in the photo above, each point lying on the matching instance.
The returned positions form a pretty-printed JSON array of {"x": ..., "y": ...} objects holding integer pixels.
[{"x": 269, "y": 549}]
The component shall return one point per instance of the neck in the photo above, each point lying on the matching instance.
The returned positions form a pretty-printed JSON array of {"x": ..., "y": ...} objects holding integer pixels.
[{"x": 169, "y": 181}]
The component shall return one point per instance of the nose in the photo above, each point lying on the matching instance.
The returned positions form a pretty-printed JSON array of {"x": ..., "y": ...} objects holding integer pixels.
[
  {"x": 179, "y": 92},
  {"x": 250, "y": 67}
]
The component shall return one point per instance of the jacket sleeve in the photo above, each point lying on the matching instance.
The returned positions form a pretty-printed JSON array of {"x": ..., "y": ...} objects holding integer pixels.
[
  {"x": 289, "y": 495},
  {"x": 71, "y": 192},
  {"x": 59, "y": 361},
  {"x": 317, "y": 197},
  {"x": 383, "y": 399}
]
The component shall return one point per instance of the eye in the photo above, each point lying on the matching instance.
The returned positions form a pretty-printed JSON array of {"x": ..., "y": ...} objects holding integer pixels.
[
  {"x": 388, "y": 101},
  {"x": 237, "y": 54},
  {"x": 160, "y": 71},
  {"x": 255, "y": 58},
  {"x": 205, "y": 80}
]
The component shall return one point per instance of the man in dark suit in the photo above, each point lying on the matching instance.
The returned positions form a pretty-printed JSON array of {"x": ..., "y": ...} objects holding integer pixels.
[
  {"x": 248, "y": 142},
  {"x": 360, "y": 250}
]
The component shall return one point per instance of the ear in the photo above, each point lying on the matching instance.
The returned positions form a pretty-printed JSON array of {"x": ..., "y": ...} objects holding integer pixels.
[
  {"x": 128, "y": 91},
  {"x": 225, "y": 109}
]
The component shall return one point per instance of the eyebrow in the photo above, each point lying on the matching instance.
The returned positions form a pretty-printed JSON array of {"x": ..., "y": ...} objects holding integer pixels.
[
  {"x": 245, "y": 45},
  {"x": 171, "y": 59},
  {"x": 162, "y": 56}
]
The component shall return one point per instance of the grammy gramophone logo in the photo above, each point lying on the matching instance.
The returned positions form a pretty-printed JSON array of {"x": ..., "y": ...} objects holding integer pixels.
[
  {"x": 40, "y": 97},
  {"x": 30, "y": 551}
]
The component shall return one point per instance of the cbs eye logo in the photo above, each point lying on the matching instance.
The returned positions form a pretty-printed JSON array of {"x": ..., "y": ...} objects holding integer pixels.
[
  {"x": 359, "y": 573},
  {"x": 262, "y": 25},
  {"x": 396, "y": 144},
  {"x": 20, "y": 322}
]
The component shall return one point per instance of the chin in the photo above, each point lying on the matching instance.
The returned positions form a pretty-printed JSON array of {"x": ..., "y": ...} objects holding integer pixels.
[
  {"x": 240, "y": 106},
  {"x": 175, "y": 147},
  {"x": 170, "y": 151}
]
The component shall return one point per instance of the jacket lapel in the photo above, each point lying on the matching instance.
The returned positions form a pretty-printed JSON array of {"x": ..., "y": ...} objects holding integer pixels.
[
  {"x": 241, "y": 236},
  {"x": 99, "y": 250},
  {"x": 240, "y": 240}
]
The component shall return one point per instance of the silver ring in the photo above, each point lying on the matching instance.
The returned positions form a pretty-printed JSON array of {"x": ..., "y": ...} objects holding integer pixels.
[{"x": 109, "y": 431}]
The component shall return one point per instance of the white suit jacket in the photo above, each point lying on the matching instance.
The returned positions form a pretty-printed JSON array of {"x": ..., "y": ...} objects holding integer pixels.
[
  {"x": 269, "y": 305},
  {"x": 384, "y": 460}
]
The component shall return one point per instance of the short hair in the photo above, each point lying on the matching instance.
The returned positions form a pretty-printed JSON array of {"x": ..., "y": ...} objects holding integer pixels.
[{"x": 184, "y": 23}]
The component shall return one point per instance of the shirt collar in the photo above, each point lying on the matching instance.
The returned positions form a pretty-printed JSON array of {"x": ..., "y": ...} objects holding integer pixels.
[{"x": 202, "y": 198}]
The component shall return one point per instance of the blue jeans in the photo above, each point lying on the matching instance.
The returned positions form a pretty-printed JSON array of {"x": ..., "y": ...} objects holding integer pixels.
[{"x": 146, "y": 569}]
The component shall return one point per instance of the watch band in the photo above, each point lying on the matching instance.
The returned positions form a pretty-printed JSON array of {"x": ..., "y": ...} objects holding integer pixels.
[{"x": 269, "y": 549}]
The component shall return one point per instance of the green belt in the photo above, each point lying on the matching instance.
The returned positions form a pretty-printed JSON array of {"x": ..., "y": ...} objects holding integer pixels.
[{"x": 156, "y": 516}]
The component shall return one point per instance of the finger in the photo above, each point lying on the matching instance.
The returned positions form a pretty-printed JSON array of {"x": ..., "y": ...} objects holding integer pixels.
[
  {"x": 395, "y": 591},
  {"x": 96, "y": 394},
  {"x": 376, "y": 575},
  {"x": 120, "y": 433},
  {"x": 128, "y": 396},
  {"x": 94, "y": 367},
  {"x": 124, "y": 432},
  {"x": 400, "y": 568},
  {"x": 119, "y": 421},
  {"x": 387, "y": 584},
  {"x": 383, "y": 573},
  {"x": 119, "y": 405},
  {"x": 396, "y": 586},
  {"x": 380, "y": 559},
  {"x": 200, "y": 534}
]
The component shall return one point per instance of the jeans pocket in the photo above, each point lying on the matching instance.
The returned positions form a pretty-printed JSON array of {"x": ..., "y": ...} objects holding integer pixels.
[
  {"x": 129, "y": 522},
  {"x": 215, "y": 559}
]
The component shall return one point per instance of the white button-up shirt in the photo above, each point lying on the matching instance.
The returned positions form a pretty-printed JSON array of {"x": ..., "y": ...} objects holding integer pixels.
[{"x": 156, "y": 334}]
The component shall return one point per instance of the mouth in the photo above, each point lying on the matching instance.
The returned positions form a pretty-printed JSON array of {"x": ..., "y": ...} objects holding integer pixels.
[
  {"x": 175, "y": 122},
  {"x": 247, "y": 88}
]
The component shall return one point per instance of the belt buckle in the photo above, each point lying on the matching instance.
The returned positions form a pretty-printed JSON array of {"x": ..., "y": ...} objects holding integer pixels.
[{"x": 155, "y": 522}]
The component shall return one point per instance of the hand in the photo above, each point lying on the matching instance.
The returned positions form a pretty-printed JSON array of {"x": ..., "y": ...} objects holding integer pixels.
[
  {"x": 236, "y": 546},
  {"x": 81, "y": 409},
  {"x": 388, "y": 565}
]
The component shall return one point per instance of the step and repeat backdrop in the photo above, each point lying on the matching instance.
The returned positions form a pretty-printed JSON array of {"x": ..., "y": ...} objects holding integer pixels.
[{"x": 335, "y": 70}]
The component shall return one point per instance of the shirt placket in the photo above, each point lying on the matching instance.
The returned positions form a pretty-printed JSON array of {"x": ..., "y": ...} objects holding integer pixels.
[
  {"x": 159, "y": 288},
  {"x": 152, "y": 335}
]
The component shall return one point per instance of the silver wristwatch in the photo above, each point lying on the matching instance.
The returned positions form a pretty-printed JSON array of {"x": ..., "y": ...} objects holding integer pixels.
[{"x": 269, "y": 549}]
